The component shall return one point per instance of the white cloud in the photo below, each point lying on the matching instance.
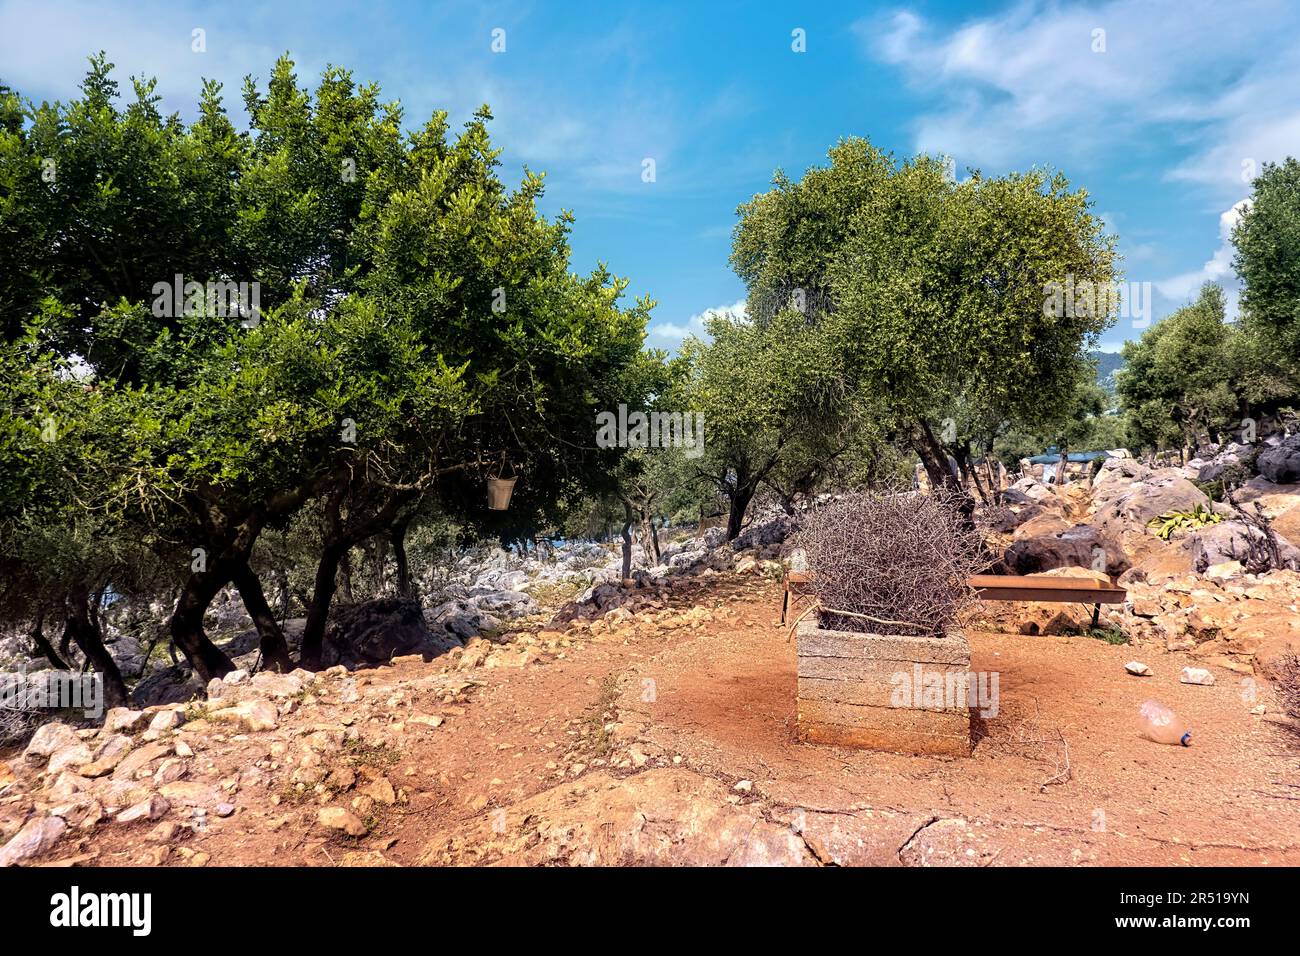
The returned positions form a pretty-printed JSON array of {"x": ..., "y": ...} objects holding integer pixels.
[
  {"x": 44, "y": 45},
  {"x": 1218, "y": 268},
  {"x": 1026, "y": 84},
  {"x": 671, "y": 334}
]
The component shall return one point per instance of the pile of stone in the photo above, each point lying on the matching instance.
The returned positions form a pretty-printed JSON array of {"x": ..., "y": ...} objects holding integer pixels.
[
  {"x": 175, "y": 769},
  {"x": 1190, "y": 593}
]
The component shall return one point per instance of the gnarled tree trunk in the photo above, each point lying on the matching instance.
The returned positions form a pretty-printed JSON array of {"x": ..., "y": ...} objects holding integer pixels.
[
  {"x": 83, "y": 625},
  {"x": 186, "y": 624},
  {"x": 275, "y": 649}
]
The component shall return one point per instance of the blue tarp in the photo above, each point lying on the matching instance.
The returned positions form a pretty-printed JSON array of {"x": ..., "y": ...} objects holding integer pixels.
[{"x": 1052, "y": 456}]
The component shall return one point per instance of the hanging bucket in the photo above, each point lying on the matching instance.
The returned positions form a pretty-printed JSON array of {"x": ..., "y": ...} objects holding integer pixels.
[{"x": 499, "y": 491}]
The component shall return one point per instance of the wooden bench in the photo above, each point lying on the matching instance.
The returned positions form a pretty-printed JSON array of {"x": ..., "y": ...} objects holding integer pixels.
[
  {"x": 1001, "y": 587},
  {"x": 1017, "y": 587}
]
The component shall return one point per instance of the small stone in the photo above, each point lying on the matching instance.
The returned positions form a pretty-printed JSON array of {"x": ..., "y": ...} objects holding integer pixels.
[
  {"x": 744, "y": 786},
  {"x": 253, "y": 715},
  {"x": 165, "y": 832},
  {"x": 166, "y": 720},
  {"x": 341, "y": 818},
  {"x": 84, "y": 813},
  {"x": 190, "y": 793},
  {"x": 123, "y": 719},
  {"x": 236, "y": 677},
  {"x": 139, "y": 759},
  {"x": 1224, "y": 570},
  {"x": 1259, "y": 710},
  {"x": 342, "y": 778},
  {"x": 224, "y": 809},
  {"x": 1138, "y": 669},
  {"x": 1197, "y": 675},
  {"x": 37, "y": 836},
  {"x": 169, "y": 771},
  {"x": 152, "y": 809},
  {"x": 271, "y": 684},
  {"x": 48, "y": 739},
  {"x": 380, "y": 790},
  {"x": 78, "y": 755}
]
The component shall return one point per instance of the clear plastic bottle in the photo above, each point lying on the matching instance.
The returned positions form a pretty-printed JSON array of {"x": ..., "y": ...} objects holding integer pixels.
[{"x": 1157, "y": 722}]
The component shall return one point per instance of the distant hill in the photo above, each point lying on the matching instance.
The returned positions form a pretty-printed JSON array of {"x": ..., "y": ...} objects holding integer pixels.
[{"x": 1108, "y": 363}]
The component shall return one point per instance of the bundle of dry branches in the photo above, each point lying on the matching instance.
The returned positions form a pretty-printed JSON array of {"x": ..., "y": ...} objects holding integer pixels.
[{"x": 892, "y": 563}]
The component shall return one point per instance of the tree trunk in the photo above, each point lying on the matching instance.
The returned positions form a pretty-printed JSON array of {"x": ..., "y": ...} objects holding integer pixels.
[
  {"x": 741, "y": 496},
  {"x": 313, "y": 632},
  {"x": 345, "y": 576},
  {"x": 83, "y": 624},
  {"x": 43, "y": 645},
  {"x": 932, "y": 461},
  {"x": 282, "y": 581},
  {"x": 935, "y": 460},
  {"x": 969, "y": 472},
  {"x": 647, "y": 546},
  {"x": 979, "y": 485},
  {"x": 186, "y": 624},
  {"x": 397, "y": 537},
  {"x": 275, "y": 649},
  {"x": 627, "y": 541}
]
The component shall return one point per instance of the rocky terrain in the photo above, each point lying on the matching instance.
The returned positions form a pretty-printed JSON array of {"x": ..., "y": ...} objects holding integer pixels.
[{"x": 546, "y": 712}]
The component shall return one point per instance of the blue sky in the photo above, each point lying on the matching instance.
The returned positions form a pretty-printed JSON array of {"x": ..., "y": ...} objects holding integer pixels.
[{"x": 1161, "y": 126}]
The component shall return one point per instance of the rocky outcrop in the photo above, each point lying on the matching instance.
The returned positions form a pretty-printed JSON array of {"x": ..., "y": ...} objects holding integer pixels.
[
  {"x": 1281, "y": 464},
  {"x": 1080, "y": 546},
  {"x": 1228, "y": 541},
  {"x": 661, "y": 817},
  {"x": 378, "y": 631},
  {"x": 1127, "y": 496}
]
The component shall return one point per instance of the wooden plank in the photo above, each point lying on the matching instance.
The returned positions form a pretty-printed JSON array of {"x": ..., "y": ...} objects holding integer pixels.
[
  {"x": 1051, "y": 596},
  {"x": 1014, "y": 587}
]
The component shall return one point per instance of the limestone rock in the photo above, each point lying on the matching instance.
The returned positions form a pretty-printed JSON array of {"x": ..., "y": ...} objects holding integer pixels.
[
  {"x": 139, "y": 759},
  {"x": 49, "y": 738},
  {"x": 166, "y": 720},
  {"x": 253, "y": 715},
  {"x": 123, "y": 720},
  {"x": 1196, "y": 675},
  {"x": 342, "y": 819},
  {"x": 108, "y": 755},
  {"x": 154, "y": 808},
  {"x": 37, "y": 836},
  {"x": 1081, "y": 546},
  {"x": 190, "y": 793},
  {"x": 665, "y": 816},
  {"x": 76, "y": 755}
]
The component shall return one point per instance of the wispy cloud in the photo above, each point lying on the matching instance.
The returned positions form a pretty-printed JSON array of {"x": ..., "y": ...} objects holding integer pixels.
[
  {"x": 672, "y": 334},
  {"x": 1218, "y": 268},
  {"x": 1084, "y": 84}
]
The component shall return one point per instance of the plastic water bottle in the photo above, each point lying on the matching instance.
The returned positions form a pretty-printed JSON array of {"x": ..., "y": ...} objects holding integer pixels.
[{"x": 1157, "y": 722}]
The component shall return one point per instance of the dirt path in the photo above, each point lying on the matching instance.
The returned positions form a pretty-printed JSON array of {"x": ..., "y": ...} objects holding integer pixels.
[{"x": 710, "y": 692}]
